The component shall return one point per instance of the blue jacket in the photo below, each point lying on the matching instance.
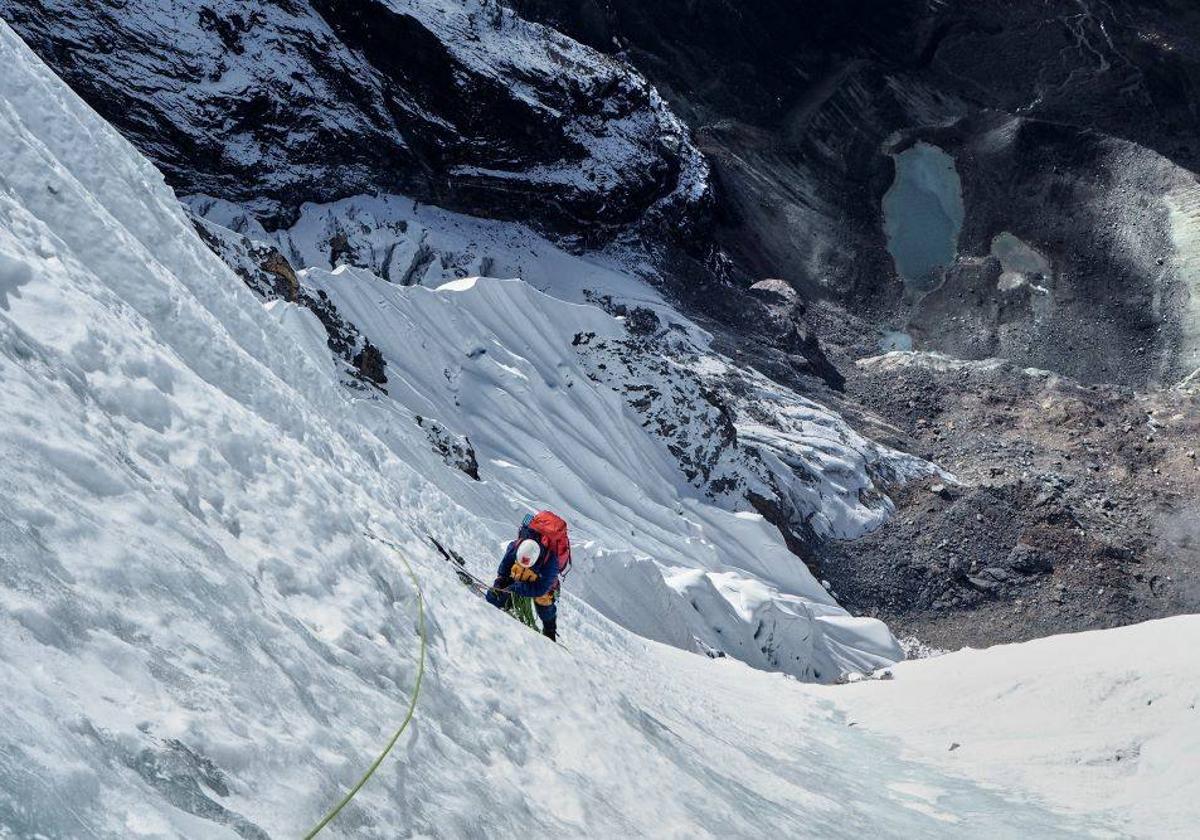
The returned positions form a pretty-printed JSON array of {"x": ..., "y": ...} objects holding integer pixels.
[{"x": 546, "y": 568}]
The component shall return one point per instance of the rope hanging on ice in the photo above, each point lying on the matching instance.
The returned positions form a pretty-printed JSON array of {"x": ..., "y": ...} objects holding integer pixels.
[{"x": 412, "y": 705}]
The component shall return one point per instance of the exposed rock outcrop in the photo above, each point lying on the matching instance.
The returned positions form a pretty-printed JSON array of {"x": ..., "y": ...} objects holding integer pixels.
[
  {"x": 462, "y": 103},
  {"x": 456, "y": 450},
  {"x": 271, "y": 276}
]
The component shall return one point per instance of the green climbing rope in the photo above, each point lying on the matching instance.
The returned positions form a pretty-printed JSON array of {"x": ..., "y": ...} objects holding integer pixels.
[
  {"x": 522, "y": 609},
  {"x": 412, "y": 707}
]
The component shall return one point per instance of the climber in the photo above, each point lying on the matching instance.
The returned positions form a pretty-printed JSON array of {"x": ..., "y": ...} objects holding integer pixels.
[{"x": 533, "y": 567}]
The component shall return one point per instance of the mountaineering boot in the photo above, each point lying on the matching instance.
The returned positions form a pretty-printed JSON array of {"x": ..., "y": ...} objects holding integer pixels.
[{"x": 550, "y": 629}]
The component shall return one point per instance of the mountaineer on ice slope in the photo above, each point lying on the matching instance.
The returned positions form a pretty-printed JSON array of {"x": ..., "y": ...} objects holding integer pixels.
[{"x": 533, "y": 567}]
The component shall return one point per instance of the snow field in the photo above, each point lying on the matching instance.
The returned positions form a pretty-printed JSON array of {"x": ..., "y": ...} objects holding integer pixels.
[{"x": 1103, "y": 724}]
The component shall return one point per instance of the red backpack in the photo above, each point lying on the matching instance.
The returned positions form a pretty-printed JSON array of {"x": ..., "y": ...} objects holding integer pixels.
[{"x": 551, "y": 531}]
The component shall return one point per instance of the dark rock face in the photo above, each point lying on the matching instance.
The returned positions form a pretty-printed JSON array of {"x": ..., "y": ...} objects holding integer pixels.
[
  {"x": 1073, "y": 128},
  {"x": 814, "y": 88},
  {"x": 268, "y": 274},
  {"x": 286, "y": 101},
  {"x": 791, "y": 102},
  {"x": 264, "y": 270},
  {"x": 370, "y": 364},
  {"x": 775, "y": 338},
  {"x": 737, "y": 59},
  {"x": 1129, "y": 69},
  {"x": 456, "y": 450}
]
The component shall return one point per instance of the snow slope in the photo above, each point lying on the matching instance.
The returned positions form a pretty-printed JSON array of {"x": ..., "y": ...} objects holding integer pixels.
[
  {"x": 1104, "y": 724},
  {"x": 833, "y": 474},
  {"x": 562, "y": 409},
  {"x": 492, "y": 360}
]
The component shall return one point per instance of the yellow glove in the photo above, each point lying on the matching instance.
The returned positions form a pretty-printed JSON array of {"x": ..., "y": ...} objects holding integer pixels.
[
  {"x": 545, "y": 600},
  {"x": 522, "y": 574}
]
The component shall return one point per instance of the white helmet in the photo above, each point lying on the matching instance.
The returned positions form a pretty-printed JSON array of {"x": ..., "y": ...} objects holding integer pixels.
[{"x": 528, "y": 553}]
